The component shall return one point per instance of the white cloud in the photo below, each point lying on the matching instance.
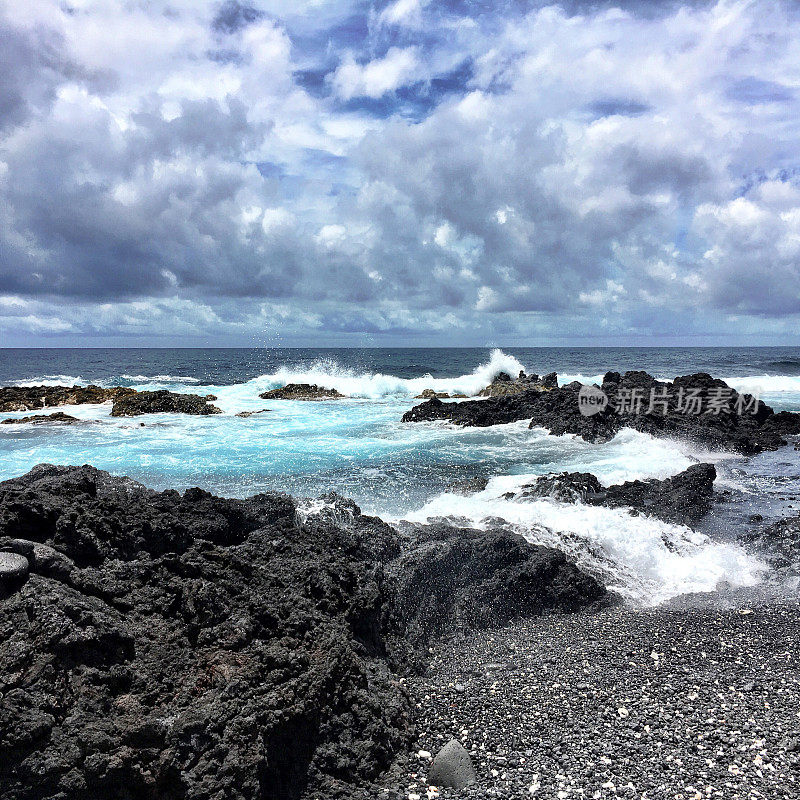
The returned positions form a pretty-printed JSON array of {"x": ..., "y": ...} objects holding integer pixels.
[{"x": 399, "y": 67}]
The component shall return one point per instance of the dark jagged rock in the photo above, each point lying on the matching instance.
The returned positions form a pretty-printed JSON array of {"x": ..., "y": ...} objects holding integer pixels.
[
  {"x": 779, "y": 543},
  {"x": 252, "y": 413},
  {"x": 188, "y": 646},
  {"x": 163, "y": 402},
  {"x": 38, "y": 419},
  {"x": 451, "y": 580},
  {"x": 503, "y": 384},
  {"x": 301, "y": 391},
  {"x": 683, "y": 499},
  {"x": 426, "y": 394},
  {"x": 755, "y": 429},
  {"x": 31, "y": 398}
]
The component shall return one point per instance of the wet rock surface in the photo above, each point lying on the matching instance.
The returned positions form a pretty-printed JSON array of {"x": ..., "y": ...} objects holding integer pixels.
[
  {"x": 696, "y": 407},
  {"x": 31, "y": 398},
  {"x": 38, "y": 419},
  {"x": 683, "y": 499},
  {"x": 619, "y": 704},
  {"x": 503, "y": 385},
  {"x": 188, "y": 646},
  {"x": 163, "y": 402},
  {"x": 301, "y": 391},
  {"x": 450, "y": 580}
]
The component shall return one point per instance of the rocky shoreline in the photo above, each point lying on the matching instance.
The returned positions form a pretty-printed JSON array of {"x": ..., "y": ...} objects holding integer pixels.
[
  {"x": 718, "y": 418},
  {"x": 167, "y": 645},
  {"x": 185, "y": 646}
]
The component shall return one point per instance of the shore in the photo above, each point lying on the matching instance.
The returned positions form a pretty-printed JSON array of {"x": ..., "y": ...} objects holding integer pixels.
[{"x": 654, "y": 703}]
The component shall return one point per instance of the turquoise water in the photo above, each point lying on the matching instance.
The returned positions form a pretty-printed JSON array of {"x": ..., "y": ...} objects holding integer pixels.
[{"x": 359, "y": 448}]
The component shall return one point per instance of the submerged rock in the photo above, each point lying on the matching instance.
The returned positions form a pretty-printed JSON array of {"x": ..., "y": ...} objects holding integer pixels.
[
  {"x": 301, "y": 391},
  {"x": 426, "y": 394},
  {"x": 184, "y": 645},
  {"x": 252, "y": 413},
  {"x": 30, "y": 398},
  {"x": 163, "y": 402},
  {"x": 725, "y": 420},
  {"x": 452, "y": 767},
  {"x": 38, "y": 419}
]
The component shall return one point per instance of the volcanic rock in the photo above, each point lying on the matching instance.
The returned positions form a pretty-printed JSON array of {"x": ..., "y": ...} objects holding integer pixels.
[
  {"x": 452, "y": 767},
  {"x": 163, "y": 402},
  {"x": 426, "y": 394},
  {"x": 698, "y": 408},
  {"x": 683, "y": 499},
  {"x": 503, "y": 385},
  {"x": 301, "y": 391},
  {"x": 184, "y": 645},
  {"x": 29, "y": 398},
  {"x": 38, "y": 419},
  {"x": 13, "y": 571}
]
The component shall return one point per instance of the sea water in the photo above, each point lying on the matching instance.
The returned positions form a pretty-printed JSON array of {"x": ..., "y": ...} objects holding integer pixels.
[{"x": 359, "y": 448}]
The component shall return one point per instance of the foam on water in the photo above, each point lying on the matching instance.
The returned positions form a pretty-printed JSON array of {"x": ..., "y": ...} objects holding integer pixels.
[
  {"x": 369, "y": 385},
  {"x": 644, "y": 559}
]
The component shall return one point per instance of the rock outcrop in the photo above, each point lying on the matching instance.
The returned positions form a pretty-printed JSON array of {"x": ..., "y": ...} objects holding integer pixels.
[
  {"x": 683, "y": 499},
  {"x": 696, "y": 407},
  {"x": 38, "y": 419},
  {"x": 163, "y": 402},
  {"x": 31, "y": 398},
  {"x": 503, "y": 385},
  {"x": 188, "y": 646},
  {"x": 450, "y": 580},
  {"x": 301, "y": 391}
]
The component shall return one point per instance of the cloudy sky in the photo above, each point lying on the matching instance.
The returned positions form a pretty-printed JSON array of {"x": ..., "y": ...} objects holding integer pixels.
[{"x": 412, "y": 172}]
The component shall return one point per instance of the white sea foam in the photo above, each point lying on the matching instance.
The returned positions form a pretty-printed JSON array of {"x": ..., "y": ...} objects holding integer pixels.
[
  {"x": 375, "y": 385},
  {"x": 644, "y": 559},
  {"x": 161, "y": 378}
]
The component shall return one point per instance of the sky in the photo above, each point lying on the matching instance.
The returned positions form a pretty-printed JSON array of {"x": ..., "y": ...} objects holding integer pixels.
[{"x": 399, "y": 172}]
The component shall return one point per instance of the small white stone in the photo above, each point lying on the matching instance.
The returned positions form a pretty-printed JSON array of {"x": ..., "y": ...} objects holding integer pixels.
[
  {"x": 623, "y": 712},
  {"x": 424, "y": 754}
]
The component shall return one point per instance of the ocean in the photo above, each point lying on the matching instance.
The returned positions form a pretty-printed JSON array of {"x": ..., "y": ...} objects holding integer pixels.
[{"x": 359, "y": 448}]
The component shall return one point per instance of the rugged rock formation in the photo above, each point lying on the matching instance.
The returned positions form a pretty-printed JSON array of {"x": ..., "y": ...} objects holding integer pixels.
[
  {"x": 503, "y": 385},
  {"x": 683, "y": 499},
  {"x": 252, "y": 413},
  {"x": 30, "y": 398},
  {"x": 301, "y": 391},
  {"x": 426, "y": 394},
  {"x": 163, "y": 402},
  {"x": 189, "y": 646},
  {"x": 779, "y": 543},
  {"x": 450, "y": 580},
  {"x": 38, "y": 419},
  {"x": 725, "y": 420}
]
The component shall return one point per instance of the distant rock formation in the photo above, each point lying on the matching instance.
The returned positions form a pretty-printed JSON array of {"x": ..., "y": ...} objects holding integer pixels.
[
  {"x": 31, "y": 398},
  {"x": 163, "y": 402},
  {"x": 301, "y": 391},
  {"x": 503, "y": 385},
  {"x": 38, "y": 419},
  {"x": 739, "y": 423}
]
